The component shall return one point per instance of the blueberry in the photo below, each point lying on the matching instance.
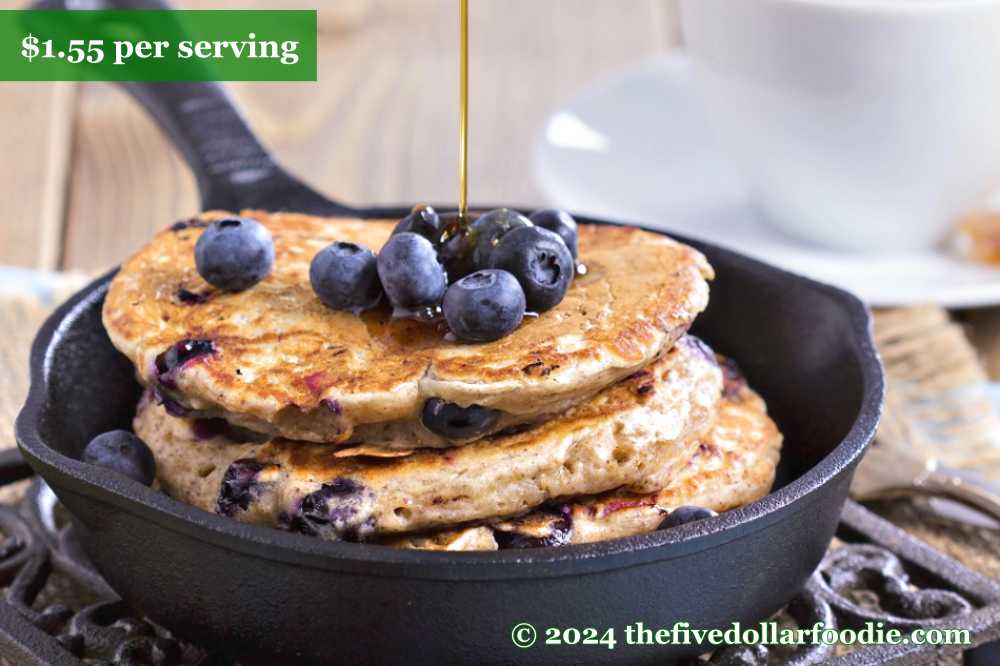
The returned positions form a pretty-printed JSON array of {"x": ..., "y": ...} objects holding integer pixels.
[
  {"x": 345, "y": 277},
  {"x": 423, "y": 221},
  {"x": 685, "y": 514},
  {"x": 538, "y": 529},
  {"x": 411, "y": 272},
  {"x": 540, "y": 261},
  {"x": 182, "y": 352},
  {"x": 123, "y": 452},
  {"x": 194, "y": 222},
  {"x": 190, "y": 297},
  {"x": 334, "y": 511},
  {"x": 234, "y": 253},
  {"x": 470, "y": 251},
  {"x": 484, "y": 306},
  {"x": 240, "y": 486},
  {"x": 179, "y": 354},
  {"x": 454, "y": 422},
  {"x": 205, "y": 429},
  {"x": 559, "y": 222}
]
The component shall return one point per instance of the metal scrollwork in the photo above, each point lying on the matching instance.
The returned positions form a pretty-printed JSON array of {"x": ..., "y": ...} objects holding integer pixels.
[
  {"x": 741, "y": 655},
  {"x": 806, "y": 609},
  {"x": 855, "y": 584},
  {"x": 105, "y": 633},
  {"x": 859, "y": 571}
]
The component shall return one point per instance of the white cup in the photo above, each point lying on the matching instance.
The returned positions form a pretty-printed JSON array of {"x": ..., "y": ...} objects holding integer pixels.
[{"x": 868, "y": 125}]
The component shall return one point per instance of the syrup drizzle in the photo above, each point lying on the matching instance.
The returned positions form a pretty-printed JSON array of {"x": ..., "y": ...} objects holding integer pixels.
[
  {"x": 463, "y": 118},
  {"x": 453, "y": 225}
]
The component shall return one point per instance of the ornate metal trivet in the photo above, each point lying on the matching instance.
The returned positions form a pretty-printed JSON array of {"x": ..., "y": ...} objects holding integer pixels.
[{"x": 880, "y": 574}]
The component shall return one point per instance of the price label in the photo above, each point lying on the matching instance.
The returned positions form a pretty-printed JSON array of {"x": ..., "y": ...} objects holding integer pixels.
[
  {"x": 94, "y": 53},
  {"x": 158, "y": 45}
]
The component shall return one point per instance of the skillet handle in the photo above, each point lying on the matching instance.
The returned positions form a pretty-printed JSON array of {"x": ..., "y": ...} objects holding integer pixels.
[
  {"x": 13, "y": 467},
  {"x": 231, "y": 166}
]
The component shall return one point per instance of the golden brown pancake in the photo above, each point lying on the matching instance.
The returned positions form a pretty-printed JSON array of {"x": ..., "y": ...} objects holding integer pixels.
[
  {"x": 636, "y": 433},
  {"x": 734, "y": 465},
  {"x": 274, "y": 359}
]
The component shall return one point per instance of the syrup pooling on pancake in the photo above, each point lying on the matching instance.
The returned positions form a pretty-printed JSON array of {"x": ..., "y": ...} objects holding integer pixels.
[{"x": 287, "y": 365}]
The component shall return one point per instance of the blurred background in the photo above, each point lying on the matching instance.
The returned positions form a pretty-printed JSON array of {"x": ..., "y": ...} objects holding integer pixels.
[{"x": 86, "y": 177}]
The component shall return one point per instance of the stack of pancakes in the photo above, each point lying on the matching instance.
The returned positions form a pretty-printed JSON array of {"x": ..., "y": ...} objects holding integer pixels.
[{"x": 270, "y": 408}]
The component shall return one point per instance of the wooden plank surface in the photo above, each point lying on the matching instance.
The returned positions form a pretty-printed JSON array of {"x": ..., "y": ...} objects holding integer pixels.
[
  {"x": 126, "y": 183},
  {"x": 380, "y": 126},
  {"x": 37, "y": 121}
]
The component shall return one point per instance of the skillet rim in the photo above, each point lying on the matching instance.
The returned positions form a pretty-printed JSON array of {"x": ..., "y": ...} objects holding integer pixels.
[{"x": 268, "y": 543}]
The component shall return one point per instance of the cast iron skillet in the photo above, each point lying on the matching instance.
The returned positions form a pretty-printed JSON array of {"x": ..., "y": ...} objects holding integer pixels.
[{"x": 274, "y": 597}]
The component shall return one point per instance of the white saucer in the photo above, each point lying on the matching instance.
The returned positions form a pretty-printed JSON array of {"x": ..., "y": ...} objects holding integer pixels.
[{"x": 638, "y": 147}]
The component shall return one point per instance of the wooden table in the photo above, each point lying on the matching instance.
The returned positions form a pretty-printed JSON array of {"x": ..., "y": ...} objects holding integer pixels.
[{"x": 86, "y": 177}]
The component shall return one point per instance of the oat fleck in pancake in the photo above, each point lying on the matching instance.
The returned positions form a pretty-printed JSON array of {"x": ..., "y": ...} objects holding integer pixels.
[
  {"x": 636, "y": 433},
  {"x": 276, "y": 360},
  {"x": 734, "y": 465}
]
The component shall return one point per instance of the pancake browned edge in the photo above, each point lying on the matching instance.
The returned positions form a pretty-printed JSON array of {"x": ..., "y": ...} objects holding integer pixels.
[
  {"x": 734, "y": 465},
  {"x": 636, "y": 433},
  {"x": 276, "y": 360}
]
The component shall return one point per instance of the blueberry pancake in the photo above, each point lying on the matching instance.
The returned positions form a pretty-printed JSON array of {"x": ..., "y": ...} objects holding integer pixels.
[
  {"x": 734, "y": 465},
  {"x": 275, "y": 359},
  {"x": 636, "y": 433}
]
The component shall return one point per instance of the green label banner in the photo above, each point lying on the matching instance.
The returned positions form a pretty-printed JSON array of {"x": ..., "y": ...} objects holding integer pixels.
[{"x": 158, "y": 45}]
